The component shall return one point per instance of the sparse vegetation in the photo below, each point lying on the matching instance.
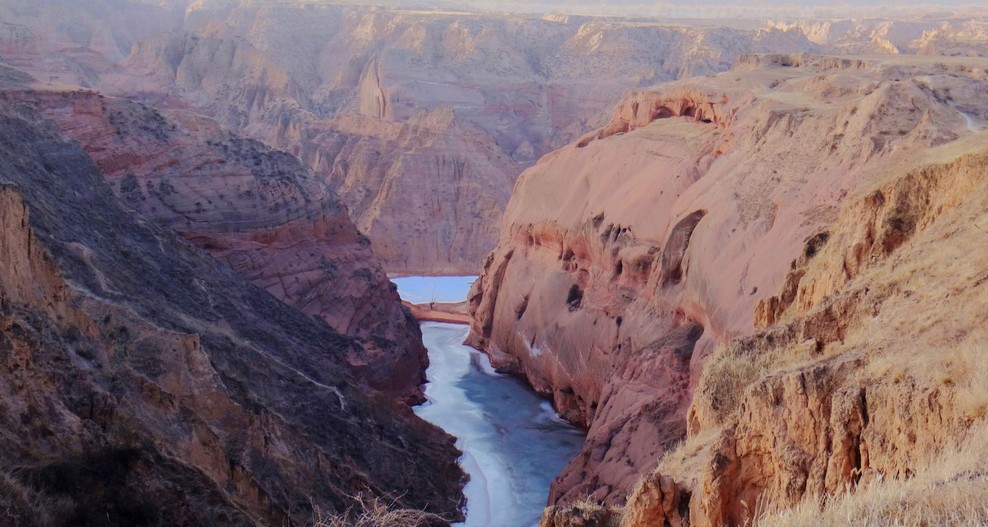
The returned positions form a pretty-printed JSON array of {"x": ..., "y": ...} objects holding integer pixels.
[
  {"x": 376, "y": 514},
  {"x": 950, "y": 490},
  {"x": 725, "y": 379}
]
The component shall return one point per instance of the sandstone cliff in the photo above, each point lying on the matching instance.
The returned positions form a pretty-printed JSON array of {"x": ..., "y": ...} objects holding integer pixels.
[
  {"x": 381, "y": 100},
  {"x": 626, "y": 258},
  {"x": 420, "y": 121},
  {"x": 145, "y": 384},
  {"x": 869, "y": 380},
  {"x": 259, "y": 210}
]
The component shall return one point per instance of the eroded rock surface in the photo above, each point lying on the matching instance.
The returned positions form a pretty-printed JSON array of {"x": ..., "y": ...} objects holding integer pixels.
[
  {"x": 626, "y": 258},
  {"x": 420, "y": 120},
  {"x": 144, "y": 383},
  {"x": 259, "y": 210}
]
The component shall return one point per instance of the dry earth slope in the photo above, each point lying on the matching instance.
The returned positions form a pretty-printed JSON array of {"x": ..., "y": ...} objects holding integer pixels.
[
  {"x": 144, "y": 383},
  {"x": 259, "y": 210}
]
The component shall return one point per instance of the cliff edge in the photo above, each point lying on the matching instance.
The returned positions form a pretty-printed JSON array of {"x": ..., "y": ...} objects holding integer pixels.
[{"x": 682, "y": 227}]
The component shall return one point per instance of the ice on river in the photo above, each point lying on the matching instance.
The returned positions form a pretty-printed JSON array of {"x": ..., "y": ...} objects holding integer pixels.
[{"x": 513, "y": 443}]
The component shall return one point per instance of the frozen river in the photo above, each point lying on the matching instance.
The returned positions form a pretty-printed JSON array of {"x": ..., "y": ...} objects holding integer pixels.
[{"x": 513, "y": 443}]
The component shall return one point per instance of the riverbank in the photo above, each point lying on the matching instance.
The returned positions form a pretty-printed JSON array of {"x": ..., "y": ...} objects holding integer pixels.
[{"x": 448, "y": 312}]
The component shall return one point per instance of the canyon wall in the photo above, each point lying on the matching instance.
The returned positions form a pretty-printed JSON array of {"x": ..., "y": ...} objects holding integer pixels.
[
  {"x": 145, "y": 383},
  {"x": 259, "y": 210},
  {"x": 627, "y": 258},
  {"x": 420, "y": 121}
]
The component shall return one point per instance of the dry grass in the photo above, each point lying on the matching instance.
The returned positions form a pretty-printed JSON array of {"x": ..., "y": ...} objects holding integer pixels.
[
  {"x": 20, "y": 501},
  {"x": 961, "y": 368},
  {"x": 685, "y": 463},
  {"x": 950, "y": 490},
  {"x": 584, "y": 512},
  {"x": 966, "y": 366},
  {"x": 894, "y": 504},
  {"x": 726, "y": 377},
  {"x": 731, "y": 370},
  {"x": 376, "y": 514}
]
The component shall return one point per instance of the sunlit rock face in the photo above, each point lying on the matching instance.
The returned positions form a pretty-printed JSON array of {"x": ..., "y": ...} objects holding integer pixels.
[
  {"x": 421, "y": 121},
  {"x": 628, "y": 256}
]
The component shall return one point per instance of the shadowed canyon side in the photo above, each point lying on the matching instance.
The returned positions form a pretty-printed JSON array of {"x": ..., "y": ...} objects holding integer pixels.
[
  {"x": 626, "y": 259},
  {"x": 144, "y": 383},
  {"x": 257, "y": 209}
]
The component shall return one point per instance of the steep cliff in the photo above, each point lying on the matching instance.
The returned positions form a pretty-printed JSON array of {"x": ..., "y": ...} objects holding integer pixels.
[
  {"x": 146, "y": 384},
  {"x": 870, "y": 378},
  {"x": 626, "y": 258},
  {"x": 257, "y": 209}
]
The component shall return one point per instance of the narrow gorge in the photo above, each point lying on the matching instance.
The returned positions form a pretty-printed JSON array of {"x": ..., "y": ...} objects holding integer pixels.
[{"x": 330, "y": 264}]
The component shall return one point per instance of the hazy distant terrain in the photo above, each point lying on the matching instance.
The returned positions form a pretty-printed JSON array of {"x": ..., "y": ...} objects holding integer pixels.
[{"x": 422, "y": 115}]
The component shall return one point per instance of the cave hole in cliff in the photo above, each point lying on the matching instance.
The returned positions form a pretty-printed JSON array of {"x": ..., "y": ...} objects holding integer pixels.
[
  {"x": 815, "y": 243},
  {"x": 675, "y": 248},
  {"x": 574, "y": 299},
  {"x": 662, "y": 112}
]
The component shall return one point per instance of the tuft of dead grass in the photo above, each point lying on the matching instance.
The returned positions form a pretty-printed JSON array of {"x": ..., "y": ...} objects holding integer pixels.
[
  {"x": 685, "y": 462},
  {"x": 376, "y": 514},
  {"x": 18, "y": 500},
  {"x": 726, "y": 377},
  {"x": 959, "y": 366}
]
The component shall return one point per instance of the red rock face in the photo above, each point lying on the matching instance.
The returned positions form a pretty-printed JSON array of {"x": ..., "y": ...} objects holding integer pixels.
[
  {"x": 420, "y": 121},
  {"x": 259, "y": 210},
  {"x": 625, "y": 258}
]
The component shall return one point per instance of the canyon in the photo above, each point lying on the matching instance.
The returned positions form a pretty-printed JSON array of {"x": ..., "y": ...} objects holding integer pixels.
[
  {"x": 259, "y": 210},
  {"x": 145, "y": 383},
  {"x": 744, "y": 256},
  {"x": 378, "y": 100}
]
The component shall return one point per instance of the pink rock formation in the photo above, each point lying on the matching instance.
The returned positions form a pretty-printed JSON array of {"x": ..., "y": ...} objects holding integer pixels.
[
  {"x": 627, "y": 257},
  {"x": 338, "y": 85}
]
